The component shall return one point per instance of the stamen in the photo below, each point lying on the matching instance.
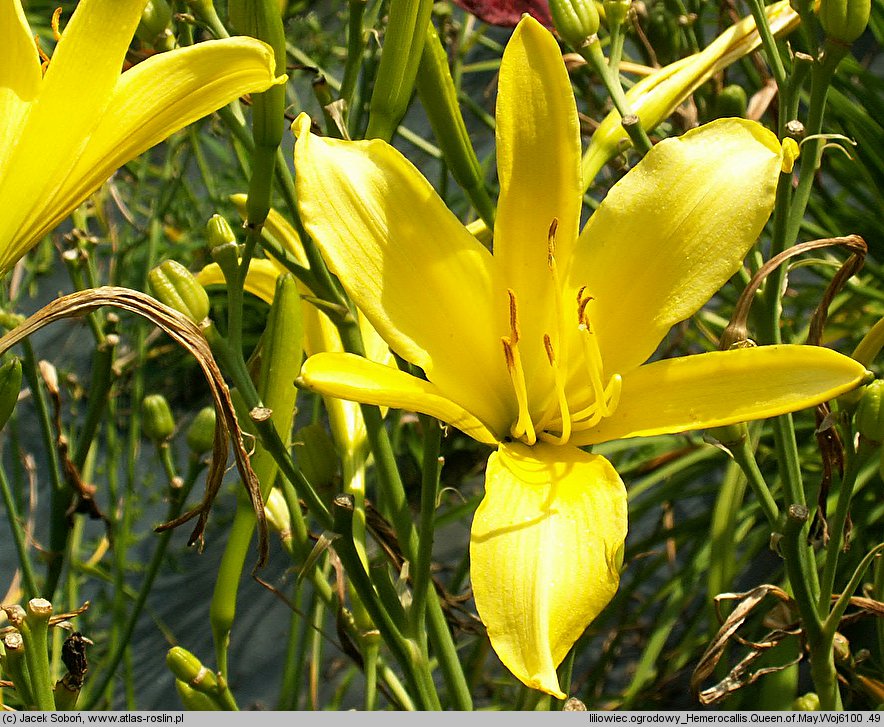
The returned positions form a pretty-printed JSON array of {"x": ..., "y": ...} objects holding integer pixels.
[
  {"x": 42, "y": 53},
  {"x": 592, "y": 353},
  {"x": 593, "y": 411},
  {"x": 560, "y": 396},
  {"x": 524, "y": 425},
  {"x": 557, "y": 288}
]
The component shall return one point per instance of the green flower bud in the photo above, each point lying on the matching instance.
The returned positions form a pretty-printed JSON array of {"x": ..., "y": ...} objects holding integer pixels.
[
  {"x": 155, "y": 28},
  {"x": 159, "y": 424},
  {"x": 201, "y": 432},
  {"x": 869, "y": 419},
  {"x": 616, "y": 11},
  {"x": 809, "y": 702},
  {"x": 174, "y": 285},
  {"x": 188, "y": 669},
  {"x": 10, "y": 386},
  {"x": 222, "y": 244},
  {"x": 844, "y": 20},
  {"x": 576, "y": 21},
  {"x": 193, "y": 701}
]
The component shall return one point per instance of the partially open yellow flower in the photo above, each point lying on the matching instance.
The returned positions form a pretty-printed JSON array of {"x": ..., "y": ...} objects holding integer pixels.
[
  {"x": 541, "y": 347},
  {"x": 63, "y": 133}
]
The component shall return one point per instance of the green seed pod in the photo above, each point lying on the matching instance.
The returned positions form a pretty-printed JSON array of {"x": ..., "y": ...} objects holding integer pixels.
[
  {"x": 201, "y": 432},
  {"x": 159, "y": 424},
  {"x": 844, "y": 20},
  {"x": 809, "y": 702},
  {"x": 222, "y": 245},
  {"x": 731, "y": 101},
  {"x": 174, "y": 285},
  {"x": 10, "y": 387},
  {"x": 869, "y": 418},
  {"x": 576, "y": 21},
  {"x": 193, "y": 700}
]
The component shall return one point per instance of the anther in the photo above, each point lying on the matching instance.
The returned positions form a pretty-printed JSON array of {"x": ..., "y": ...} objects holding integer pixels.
[
  {"x": 551, "y": 244},
  {"x": 514, "y": 318},
  {"x": 54, "y": 23}
]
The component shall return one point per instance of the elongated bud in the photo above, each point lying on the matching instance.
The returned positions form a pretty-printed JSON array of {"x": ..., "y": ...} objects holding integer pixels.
[
  {"x": 576, "y": 21},
  {"x": 844, "y": 20},
  {"x": 401, "y": 54},
  {"x": 222, "y": 245},
  {"x": 869, "y": 419},
  {"x": 173, "y": 284},
  {"x": 201, "y": 432},
  {"x": 10, "y": 387},
  {"x": 438, "y": 96},
  {"x": 159, "y": 424}
]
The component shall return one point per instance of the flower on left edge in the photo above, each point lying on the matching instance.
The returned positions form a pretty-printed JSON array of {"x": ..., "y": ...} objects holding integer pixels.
[
  {"x": 542, "y": 346},
  {"x": 63, "y": 133}
]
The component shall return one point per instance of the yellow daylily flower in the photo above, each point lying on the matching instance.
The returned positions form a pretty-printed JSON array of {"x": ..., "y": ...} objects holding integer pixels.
[
  {"x": 541, "y": 347},
  {"x": 63, "y": 133}
]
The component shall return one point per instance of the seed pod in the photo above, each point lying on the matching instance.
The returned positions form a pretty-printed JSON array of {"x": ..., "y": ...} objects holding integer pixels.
[
  {"x": 201, "y": 432},
  {"x": 173, "y": 284},
  {"x": 576, "y": 21},
  {"x": 159, "y": 424},
  {"x": 869, "y": 419},
  {"x": 844, "y": 20},
  {"x": 10, "y": 387}
]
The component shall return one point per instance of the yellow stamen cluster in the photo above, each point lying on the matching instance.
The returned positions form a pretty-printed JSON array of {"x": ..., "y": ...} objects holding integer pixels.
[{"x": 557, "y": 422}]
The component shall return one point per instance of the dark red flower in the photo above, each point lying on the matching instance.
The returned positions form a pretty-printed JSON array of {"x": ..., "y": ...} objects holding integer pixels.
[{"x": 507, "y": 12}]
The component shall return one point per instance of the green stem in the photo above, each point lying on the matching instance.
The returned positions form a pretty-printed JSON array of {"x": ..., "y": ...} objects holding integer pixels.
[
  {"x": 429, "y": 488},
  {"x": 34, "y": 631},
  {"x": 744, "y": 456},
  {"x": 768, "y": 43},
  {"x": 29, "y": 578},
  {"x": 838, "y": 521},
  {"x": 592, "y": 53}
]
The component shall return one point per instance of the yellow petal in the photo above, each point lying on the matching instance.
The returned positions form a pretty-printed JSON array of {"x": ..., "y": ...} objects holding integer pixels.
[
  {"x": 545, "y": 553},
  {"x": 355, "y": 378},
  {"x": 672, "y": 232},
  {"x": 153, "y": 100},
  {"x": 538, "y": 164},
  {"x": 20, "y": 74},
  {"x": 260, "y": 281},
  {"x": 421, "y": 279},
  {"x": 725, "y": 387},
  {"x": 72, "y": 97}
]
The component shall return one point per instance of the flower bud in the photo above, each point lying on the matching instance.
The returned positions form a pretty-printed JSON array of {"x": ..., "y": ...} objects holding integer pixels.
[
  {"x": 10, "y": 386},
  {"x": 201, "y": 432},
  {"x": 155, "y": 28},
  {"x": 174, "y": 285},
  {"x": 616, "y": 11},
  {"x": 869, "y": 419},
  {"x": 188, "y": 669},
  {"x": 159, "y": 424},
  {"x": 576, "y": 21},
  {"x": 222, "y": 244},
  {"x": 809, "y": 702},
  {"x": 193, "y": 700},
  {"x": 844, "y": 20}
]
